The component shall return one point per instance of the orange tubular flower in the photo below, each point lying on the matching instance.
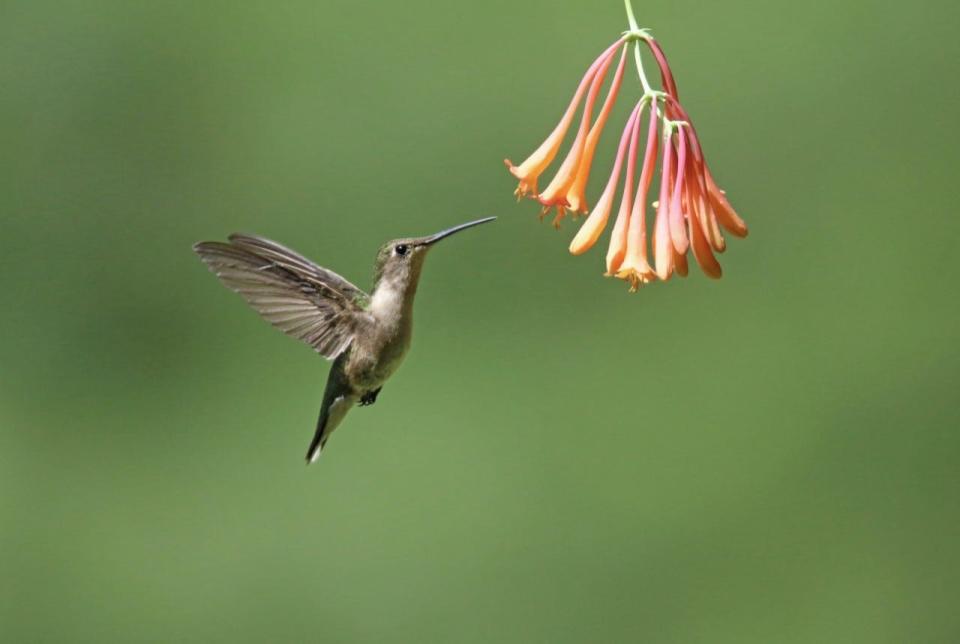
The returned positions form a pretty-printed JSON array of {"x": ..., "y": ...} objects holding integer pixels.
[
  {"x": 677, "y": 231},
  {"x": 635, "y": 267},
  {"x": 691, "y": 209},
  {"x": 555, "y": 194},
  {"x": 530, "y": 170},
  {"x": 576, "y": 199},
  {"x": 726, "y": 215},
  {"x": 618, "y": 239},
  {"x": 663, "y": 246},
  {"x": 590, "y": 232}
]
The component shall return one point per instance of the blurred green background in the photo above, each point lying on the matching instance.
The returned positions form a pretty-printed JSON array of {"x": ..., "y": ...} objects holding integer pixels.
[{"x": 768, "y": 458}]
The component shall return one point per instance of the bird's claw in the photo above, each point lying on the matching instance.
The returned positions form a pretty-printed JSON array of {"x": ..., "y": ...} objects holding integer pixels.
[{"x": 370, "y": 397}]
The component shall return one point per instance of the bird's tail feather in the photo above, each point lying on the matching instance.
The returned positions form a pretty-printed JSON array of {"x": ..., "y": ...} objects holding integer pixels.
[{"x": 330, "y": 416}]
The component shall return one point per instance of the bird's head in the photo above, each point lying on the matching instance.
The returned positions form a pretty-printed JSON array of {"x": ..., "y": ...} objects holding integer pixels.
[{"x": 399, "y": 261}]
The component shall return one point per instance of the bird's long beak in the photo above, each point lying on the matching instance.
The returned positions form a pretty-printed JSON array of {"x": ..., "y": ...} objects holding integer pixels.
[{"x": 449, "y": 231}]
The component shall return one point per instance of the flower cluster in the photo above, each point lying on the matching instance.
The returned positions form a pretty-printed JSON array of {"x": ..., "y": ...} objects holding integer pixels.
[{"x": 690, "y": 208}]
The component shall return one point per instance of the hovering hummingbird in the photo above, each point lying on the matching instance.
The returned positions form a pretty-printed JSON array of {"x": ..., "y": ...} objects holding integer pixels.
[{"x": 367, "y": 336}]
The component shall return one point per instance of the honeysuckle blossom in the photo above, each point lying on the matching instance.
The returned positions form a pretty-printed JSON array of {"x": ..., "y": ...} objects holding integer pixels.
[
  {"x": 691, "y": 211},
  {"x": 529, "y": 171}
]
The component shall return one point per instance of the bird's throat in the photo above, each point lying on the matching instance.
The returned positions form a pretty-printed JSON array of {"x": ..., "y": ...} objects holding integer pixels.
[{"x": 392, "y": 301}]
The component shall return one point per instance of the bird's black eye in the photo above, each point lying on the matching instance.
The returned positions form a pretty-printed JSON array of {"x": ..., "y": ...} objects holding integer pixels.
[{"x": 401, "y": 249}]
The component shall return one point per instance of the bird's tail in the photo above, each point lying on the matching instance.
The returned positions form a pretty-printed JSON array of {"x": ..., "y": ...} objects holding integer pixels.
[{"x": 331, "y": 413}]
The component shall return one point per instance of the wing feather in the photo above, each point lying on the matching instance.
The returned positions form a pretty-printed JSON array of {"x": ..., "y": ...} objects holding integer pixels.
[
  {"x": 302, "y": 299},
  {"x": 294, "y": 261}
]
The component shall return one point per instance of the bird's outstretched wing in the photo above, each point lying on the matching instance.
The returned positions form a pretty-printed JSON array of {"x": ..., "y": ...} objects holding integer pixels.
[{"x": 289, "y": 291}]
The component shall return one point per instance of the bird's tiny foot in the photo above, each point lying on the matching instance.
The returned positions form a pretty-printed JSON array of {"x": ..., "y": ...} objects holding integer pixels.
[{"x": 370, "y": 397}]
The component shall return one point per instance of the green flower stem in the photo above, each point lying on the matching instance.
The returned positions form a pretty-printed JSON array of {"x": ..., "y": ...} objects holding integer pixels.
[
  {"x": 643, "y": 77},
  {"x": 636, "y": 34},
  {"x": 633, "y": 19}
]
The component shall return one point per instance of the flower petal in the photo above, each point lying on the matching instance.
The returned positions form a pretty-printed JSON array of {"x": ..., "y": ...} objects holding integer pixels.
[
  {"x": 698, "y": 240},
  {"x": 726, "y": 215},
  {"x": 528, "y": 171},
  {"x": 722, "y": 209},
  {"x": 618, "y": 238},
  {"x": 677, "y": 226},
  {"x": 680, "y": 263},
  {"x": 556, "y": 191},
  {"x": 700, "y": 206},
  {"x": 663, "y": 246},
  {"x": 592, "y": 228},
  {"x": 636, "y": 267},
  {"x": 576, "y": 193}
]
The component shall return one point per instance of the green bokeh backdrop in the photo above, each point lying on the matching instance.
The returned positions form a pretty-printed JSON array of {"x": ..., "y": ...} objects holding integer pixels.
[{"x": 768, "y": 458}]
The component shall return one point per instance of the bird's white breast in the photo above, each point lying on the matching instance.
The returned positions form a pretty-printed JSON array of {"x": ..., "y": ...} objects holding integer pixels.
[{"x": 387, "y": 301}]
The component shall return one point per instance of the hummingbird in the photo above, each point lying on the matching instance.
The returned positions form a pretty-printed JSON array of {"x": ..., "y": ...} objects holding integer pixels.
[{"x": 366, "y": 336}]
